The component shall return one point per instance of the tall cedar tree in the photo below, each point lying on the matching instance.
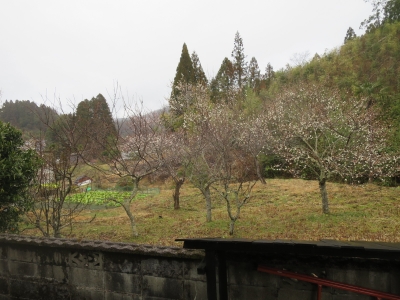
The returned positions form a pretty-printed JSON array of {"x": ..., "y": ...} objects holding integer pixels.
[
  {"x": 189, "y": 72},
  {"x": 350, "y": 35},
  {"x": 239, "y": 63},
  {"x": 184, "y": 71},
  {"x": 96, "y": 126},
  {"x": 254, "y": 75},
  {"x": 198, "y": 74},
  {"x": 269, "y": 75},
  {"x": 223, "y": 82}
]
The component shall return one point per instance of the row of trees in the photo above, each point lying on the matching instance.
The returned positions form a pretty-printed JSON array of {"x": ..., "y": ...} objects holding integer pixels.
[
  {"x": 319, "y": 125},
  {"x": 312, "y": 118},
  {"x": 25, "y": 115},
  {"x": 234, "y": 74},
  {"x": 218, "y": 148},
  {"x": 311, "y": 127}
]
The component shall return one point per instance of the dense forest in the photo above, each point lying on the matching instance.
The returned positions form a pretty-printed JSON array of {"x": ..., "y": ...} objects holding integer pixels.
[{"x": 26, "y": 115}]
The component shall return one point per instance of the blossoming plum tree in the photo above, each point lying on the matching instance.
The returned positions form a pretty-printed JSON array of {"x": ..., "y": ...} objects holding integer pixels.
[{"x": 327, "y": 132}]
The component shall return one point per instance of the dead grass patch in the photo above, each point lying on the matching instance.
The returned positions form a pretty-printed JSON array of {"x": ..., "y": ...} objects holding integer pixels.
[{"x": 281, "y": 209}]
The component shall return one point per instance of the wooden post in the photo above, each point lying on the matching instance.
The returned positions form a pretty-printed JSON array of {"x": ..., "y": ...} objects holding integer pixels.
[{"x": 211, "y": 269}]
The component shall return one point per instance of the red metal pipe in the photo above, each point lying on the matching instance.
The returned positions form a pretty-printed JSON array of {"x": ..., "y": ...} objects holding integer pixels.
[{"x": 325, "y": 282}]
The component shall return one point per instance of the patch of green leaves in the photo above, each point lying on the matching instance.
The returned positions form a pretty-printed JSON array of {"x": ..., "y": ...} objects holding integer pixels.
[{"x": 103, "y": 198}]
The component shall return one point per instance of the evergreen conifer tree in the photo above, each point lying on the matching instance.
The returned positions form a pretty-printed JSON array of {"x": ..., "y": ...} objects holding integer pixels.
[
  {"x": 239, "y": 63},
  {"x": 269, "y": 74},
  {"x": 96, "y": 126},
  {"x": 185, "y": 76},
  {"x": 350, "y": 34},
  {"x": 223, "y": 81},
  {"x": 189, "y": 73},
  {"x": 198, "y": 74},
  {"x": 254, "y": 74},
  {"x": 184, "y": 71}
]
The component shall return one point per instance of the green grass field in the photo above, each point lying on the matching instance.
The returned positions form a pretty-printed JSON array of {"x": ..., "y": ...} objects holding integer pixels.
[{"x": 281, "y": 209}]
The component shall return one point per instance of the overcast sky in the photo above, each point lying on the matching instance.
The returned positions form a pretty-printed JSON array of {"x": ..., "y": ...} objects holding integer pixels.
[{"x": 76, "y": 49}]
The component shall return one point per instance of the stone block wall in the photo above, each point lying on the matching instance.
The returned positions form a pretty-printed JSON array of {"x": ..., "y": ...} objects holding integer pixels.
[
  {"x": 35, "y": 268},
  {"x": 39, "y": 268}
]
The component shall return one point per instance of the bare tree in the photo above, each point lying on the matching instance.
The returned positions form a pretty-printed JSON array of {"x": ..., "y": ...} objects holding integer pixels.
[
  {"x": 204, "y": 167},
  {"x": 134, "y": 152},
  {"x": 54, "y": 182},
  {"x": 235, "y": 196},
  {"x": 221, "y": 149},
  {"x": 300, "y": 58},
  {"x": 234, "y": 148}
]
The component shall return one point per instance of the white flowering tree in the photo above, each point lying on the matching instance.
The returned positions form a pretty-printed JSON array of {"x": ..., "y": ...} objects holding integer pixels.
[
  {"x": 139, "y": 154},
  {"x": 203, "y": 170},
  {"x": 222, "y": 148},
  {"x": 324, "y": 131},
  {"x": 175, "y": 161},
  {"x": 236, "y": 145},
  {"x": 255, "y": 138}
]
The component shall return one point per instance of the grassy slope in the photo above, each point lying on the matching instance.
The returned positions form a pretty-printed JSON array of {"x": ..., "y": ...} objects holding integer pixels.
[{"x": 282, "y": 209}]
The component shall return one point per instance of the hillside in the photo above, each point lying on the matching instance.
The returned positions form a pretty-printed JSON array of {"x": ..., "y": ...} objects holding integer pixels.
[
  {"x": 368, "y": 65},
  {"x": 282, "y": 209},
  {"x": 27, "y": 116}
]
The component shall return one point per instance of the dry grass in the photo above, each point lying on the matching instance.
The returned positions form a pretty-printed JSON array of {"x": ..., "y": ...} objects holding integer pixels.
[{"x": 281, "y": 209}]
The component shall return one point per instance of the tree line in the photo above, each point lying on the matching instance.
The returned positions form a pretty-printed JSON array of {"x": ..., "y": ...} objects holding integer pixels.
[{"x": 25, "y": 115}]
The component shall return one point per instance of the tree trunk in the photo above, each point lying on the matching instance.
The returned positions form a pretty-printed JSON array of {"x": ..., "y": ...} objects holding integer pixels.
[
  {"x": 324, "y": 196},
  {"x": 207, "y": 196},
  {"x": 232, "y": 226},
  {"x": 126, "y": 204},
  {"x": 259, "y": 173},
  {"x": 370, "y": 175},
  {"x": 127, "y": 208},
  {"x": 57, "y": 233},
  {"x": 175, "y": 195},
  {"x": 229, "y": 209},
  {"x": 56, "y": 220}
]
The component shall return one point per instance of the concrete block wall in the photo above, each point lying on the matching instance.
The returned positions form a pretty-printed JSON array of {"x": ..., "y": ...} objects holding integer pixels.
[
  {"x": 39, "y": 268},
  {"x": 34, "y": 268}
]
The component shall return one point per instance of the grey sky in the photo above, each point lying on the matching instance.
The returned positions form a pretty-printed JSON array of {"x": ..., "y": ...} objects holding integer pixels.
[{"x": 76, "y": 49}]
